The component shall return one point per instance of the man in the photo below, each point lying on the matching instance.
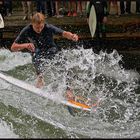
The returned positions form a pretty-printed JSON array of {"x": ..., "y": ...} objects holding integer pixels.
[
  {"x": 101, "y": 14},
  {"x": 37, "y": 37},
  {"x": 126, "y": 8}
]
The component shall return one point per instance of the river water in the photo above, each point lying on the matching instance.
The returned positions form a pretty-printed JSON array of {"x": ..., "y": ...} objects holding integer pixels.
[{"x": 104, "y": 75}]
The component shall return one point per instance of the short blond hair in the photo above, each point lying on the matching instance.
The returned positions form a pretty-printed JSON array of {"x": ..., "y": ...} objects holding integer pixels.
[{"x": 38, "y": 18}]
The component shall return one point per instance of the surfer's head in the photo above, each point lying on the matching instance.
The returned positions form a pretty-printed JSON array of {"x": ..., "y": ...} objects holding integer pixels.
[{"x": 38, "y": 21}]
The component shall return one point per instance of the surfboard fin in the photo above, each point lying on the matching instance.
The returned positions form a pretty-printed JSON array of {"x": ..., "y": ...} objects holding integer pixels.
[{"x": 71, "y": 111}]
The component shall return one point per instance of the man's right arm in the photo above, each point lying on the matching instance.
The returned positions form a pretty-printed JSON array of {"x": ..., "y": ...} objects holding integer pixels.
[
  {"x": 19, "y": 47},
  {"x": 18, "y": 44}
]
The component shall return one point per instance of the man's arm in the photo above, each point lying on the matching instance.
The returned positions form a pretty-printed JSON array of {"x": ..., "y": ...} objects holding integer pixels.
[
  {"x": 18, "y": 47},
  {"x": 65, "y": 34},
  {"x": 70, "y": 36}
]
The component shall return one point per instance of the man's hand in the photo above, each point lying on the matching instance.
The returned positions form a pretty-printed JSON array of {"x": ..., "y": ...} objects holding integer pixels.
[
  {"x": 19, "y": 47},
  {"x": 74, "y": 37},
  {"x": 70, "y": 36},
  {"x": 30, "y": 47}
]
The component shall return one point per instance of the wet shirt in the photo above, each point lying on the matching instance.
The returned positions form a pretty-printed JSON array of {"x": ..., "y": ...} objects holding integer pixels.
[{"x": 42, "y": 41}]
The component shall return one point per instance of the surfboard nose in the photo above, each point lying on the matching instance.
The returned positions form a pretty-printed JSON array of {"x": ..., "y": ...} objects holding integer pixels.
[{"x": 1, "y": 22}]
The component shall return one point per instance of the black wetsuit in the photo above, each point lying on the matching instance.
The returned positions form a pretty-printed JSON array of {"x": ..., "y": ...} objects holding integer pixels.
[
  {"x": 44, "y": 43},
  {"x": 101, "y": 12},
  {"x": 138, "y": 6}
]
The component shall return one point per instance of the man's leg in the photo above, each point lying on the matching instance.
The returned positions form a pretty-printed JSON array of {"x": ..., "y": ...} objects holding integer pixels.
[
  {"x": 40, "y": 81},
  {"x": 128, "y": 6},
  {"x": 25, "y": 10},
  {"x": 30, "y": 10},
  {"x": 38, "y": 64},
  {"x": 69, "y": 94},
  {"x": 122, "y": 6}
]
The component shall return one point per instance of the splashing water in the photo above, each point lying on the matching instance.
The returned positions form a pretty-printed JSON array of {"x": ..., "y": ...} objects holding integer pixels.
[
  {"x": 10, "y": 60},
  {"x": 6, "y": 131},
  {"x": 90, "y": 75}
]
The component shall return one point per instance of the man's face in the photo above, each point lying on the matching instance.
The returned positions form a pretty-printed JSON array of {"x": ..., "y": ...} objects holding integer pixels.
[{"x": 38, "y": 27}]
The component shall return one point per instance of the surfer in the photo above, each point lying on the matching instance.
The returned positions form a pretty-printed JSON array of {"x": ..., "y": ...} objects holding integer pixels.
[
  {"x": 101, "y": 14},
  {"x": 37, "y": 37}
]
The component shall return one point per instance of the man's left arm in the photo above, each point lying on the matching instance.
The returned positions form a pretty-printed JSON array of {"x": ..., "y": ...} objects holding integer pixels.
[
  {"x": 65, "y": 34},
  {"x": 70, "y": 36}
]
